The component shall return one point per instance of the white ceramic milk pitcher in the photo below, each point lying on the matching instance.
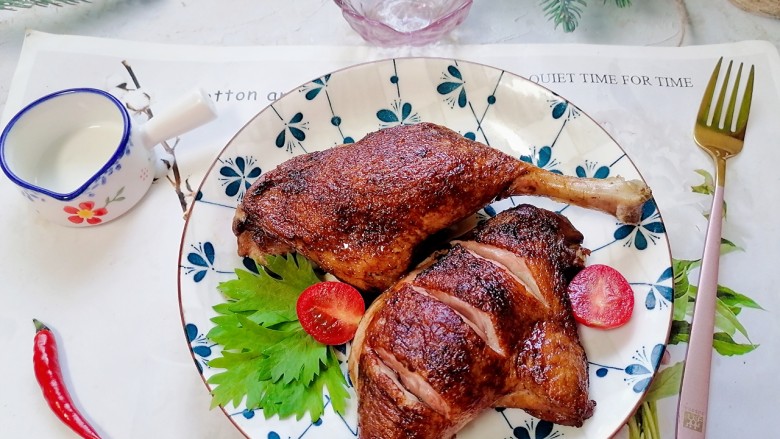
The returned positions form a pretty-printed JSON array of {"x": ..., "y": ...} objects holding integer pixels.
[{"x": 80, "y": 161}]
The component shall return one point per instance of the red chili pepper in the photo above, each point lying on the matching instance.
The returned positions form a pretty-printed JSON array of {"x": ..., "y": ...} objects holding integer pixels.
[{"x": 49, "y": 375}]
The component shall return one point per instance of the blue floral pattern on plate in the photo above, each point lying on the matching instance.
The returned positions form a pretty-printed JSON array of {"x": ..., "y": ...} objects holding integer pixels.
[{"x": 482, "y": 103}]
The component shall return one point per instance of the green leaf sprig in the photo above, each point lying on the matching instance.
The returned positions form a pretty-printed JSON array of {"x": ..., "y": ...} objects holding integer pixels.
[
  {"x": 644, "y": 424},
  {"x": 567, "y": 13},
  {"x": 729, "y": 305},
  {"x": 270, "y": 362}
]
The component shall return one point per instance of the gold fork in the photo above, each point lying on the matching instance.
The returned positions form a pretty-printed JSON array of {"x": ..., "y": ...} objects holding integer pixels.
[{"x": 722, "y": 137}]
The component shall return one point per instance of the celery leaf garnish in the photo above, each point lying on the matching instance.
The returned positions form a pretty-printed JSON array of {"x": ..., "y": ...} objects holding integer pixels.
[{"x": 269, "y": 361}]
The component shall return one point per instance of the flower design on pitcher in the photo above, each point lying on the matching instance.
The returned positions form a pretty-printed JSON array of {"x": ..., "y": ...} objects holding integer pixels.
[{"x": 85, "y": 212}]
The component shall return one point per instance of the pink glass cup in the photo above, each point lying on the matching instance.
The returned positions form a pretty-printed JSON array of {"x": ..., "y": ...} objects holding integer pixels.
[{"x": 403, "y": 22}]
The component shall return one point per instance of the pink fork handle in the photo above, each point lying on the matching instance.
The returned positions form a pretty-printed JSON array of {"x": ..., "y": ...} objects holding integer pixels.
[{"x": 695, "y": 390}]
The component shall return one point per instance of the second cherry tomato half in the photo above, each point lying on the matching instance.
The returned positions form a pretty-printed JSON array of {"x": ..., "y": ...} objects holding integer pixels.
[
  {"x": 601, "y": 297},
  {"x": 330, "y": 312}
]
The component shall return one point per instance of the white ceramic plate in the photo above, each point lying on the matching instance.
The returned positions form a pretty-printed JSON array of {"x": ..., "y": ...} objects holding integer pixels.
[{"x": 484, "y": 103}]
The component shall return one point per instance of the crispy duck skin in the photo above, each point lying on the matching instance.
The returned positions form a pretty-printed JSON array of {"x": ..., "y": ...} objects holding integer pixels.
[
  {"x": 364, "y": 211},
  {"x": 485, "y": 324}
]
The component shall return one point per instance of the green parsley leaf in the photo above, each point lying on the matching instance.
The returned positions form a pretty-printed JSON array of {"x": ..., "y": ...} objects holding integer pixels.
[
  {"x": 270, "y": 362},
  {"x": 297, "y": 398},
  {"x": 238, "y": 332},
  {"x": 300, "y": 357},
  {"x": 334, "y": 380},
  {"x": 242, "y": 372},
  {"x": 272, "y": 294}
]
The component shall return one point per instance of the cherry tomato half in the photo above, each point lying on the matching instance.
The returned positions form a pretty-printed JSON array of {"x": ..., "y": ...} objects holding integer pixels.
[
  {"x": 330, "y": 312},
  {"x": 601, "y": 297}
]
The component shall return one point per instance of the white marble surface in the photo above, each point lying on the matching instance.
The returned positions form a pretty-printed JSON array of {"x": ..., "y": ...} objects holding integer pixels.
[{"x": 319, "y": 22}]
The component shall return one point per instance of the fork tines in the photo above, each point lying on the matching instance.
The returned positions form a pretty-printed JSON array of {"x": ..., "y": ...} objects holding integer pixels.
[{"x": 727, "y": 123}]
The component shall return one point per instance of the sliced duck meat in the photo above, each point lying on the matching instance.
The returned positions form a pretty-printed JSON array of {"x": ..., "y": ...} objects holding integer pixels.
[{"x": 464, "y": 333}]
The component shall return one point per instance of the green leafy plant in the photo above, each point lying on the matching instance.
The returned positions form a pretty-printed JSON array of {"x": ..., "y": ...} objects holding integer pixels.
[
  {"x": 10, "y": 5},
  {"x": 269, "y": 361},
  {"x": 729, "y": 339},
  {"x": 644, "y": 424},
  {"x": 707, "y": 187},
  {"x": 728, "y": 306},
  {"x": 567, "y": 13}
]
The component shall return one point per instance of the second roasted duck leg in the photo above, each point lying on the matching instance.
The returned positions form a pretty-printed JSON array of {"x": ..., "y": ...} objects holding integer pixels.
[
  {"x": 362, "y": 211},
  {"x": 486, "y": 324}
]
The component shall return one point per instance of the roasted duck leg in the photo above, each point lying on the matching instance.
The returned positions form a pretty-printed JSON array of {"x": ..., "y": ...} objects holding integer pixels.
[
  {"x": 486, "y": 324},
  {"x": 362, "y": 211}
]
